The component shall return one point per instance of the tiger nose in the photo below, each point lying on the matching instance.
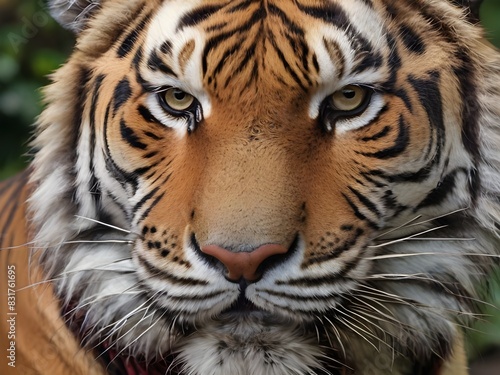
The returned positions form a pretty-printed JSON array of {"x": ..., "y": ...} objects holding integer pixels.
[{"x": 244, "y": 265}]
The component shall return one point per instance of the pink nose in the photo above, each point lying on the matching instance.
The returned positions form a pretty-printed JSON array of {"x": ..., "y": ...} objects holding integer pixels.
[{"x": 244, "y": 264}]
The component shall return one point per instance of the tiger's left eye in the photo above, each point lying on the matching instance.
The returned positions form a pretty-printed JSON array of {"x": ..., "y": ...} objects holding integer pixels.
[
  {"x": 349, "y": 98},
  {"x": 177, "y": 100}
]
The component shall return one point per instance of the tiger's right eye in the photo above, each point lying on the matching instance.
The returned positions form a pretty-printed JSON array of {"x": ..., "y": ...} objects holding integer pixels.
[{"x": 176, "y": 101}]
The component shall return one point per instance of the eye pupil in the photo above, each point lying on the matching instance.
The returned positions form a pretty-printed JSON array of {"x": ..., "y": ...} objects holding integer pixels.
[
  {"x": 179, "y": 95},
  {"x": 349, "y": 94}
]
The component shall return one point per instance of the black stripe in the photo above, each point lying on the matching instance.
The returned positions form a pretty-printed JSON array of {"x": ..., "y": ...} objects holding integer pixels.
[
  {"x": 166, "y": 47},
  {"x": 121, "y": 176},
  {"x": 358, "y": 213},
  {"x": 394, "y": 63},
  {"x": 197, "y": 16},
  {"x": 82, "y": 89},
  {"x": 470, "y": 113},
  {"x": 136, "y": 62},
  {"x": 377, "y": 136},
  {"x": 215, "y": 41},
  {"x": 94, "y": 185},
  {"x": 139, "y": 205},
  {"x": 152, "y": 136},
  {"x": 371, "y": 58},
  {"x": 230, "y": 50},
  {"x": 144, "y": 199},
  {"x": 241, "y": 6},
  {"x": 285, "y": 63},
  {"x": 442, "y": 191},
  {"x": 366, "y": 202},
  {"x": 156, "y": 63},
  {"x": 402, "y": 94},
  {"x": 129, "y": 136},
  {"x": 163, "y": 170},
  {"x": 162, "y": 273},
  {"x": 399, "y": 146},
  {"x": 153, "y": 205},
  {"x": 290, "y": 25},
  {"x": 372, "y": 181},
  {"x": 337, "y": 251},
  {"x": 412, "y": 41},
  {"x": 131, "y": 39},
  {"x": 331, "y": 279},
  {"x": 147, "y": 115},
  {"x": 247, "y": 56},
  {"x": 330, "y": 13},
  {"x": 122, "y": 93},
  {"x": 430, "y": 98},
  {"x": 143, "y": 170}
]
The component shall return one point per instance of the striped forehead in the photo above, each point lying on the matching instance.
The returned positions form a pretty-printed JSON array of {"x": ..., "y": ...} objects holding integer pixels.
[
  {"x": 317, "y": 46},
  {"x": 174, "y": 52}
]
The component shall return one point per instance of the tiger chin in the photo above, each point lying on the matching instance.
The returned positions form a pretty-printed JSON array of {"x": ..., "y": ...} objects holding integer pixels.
[{"x": 258, "y": 187}]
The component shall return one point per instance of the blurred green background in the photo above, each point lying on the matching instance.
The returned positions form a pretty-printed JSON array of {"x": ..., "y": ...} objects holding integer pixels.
[{"x": 32, "y": 45}]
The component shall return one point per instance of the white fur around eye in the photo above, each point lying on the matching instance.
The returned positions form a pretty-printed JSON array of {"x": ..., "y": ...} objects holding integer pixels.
[{"x": 343, "y": 125}]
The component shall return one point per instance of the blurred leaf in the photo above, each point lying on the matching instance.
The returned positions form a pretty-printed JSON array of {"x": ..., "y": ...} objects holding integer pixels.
[{"x": 8, "y": 68}]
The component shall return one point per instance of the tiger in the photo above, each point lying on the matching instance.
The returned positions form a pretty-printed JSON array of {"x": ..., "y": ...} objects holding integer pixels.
[{"x": 256, "y": 187}]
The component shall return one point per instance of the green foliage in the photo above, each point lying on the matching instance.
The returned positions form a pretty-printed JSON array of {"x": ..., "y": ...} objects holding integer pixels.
[
  {"x": 490, "y": 15},
  {"x": 31, "y": 46}
]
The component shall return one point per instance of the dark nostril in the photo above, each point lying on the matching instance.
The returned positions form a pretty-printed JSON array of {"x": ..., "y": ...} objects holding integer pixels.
[{"x": 244, "y": 265}]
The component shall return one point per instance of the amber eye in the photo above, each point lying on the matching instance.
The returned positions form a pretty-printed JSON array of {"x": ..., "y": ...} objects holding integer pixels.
[
  {"x": 349, "y": 98},
  {"x": 177, "y": 100}
]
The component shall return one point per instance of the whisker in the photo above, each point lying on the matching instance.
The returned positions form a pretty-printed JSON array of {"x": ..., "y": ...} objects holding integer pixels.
[
  {"x": 23, "y": 245},
  {"x": 336, "y": 332},
  {"x": 440, "y": 216},
  {"x": 128, "y": 242},
  {"x": 63, "y": 275},
  {"x": 391, "y": 256},
  {"x": 411, "y": 223},
  {"x": 392, "y": 242},
  {"x": 104, "y": 224},
  {"x": 124, "y": 319},
  {"x": 142, "y": 334},
  {"x": 399, "y": 227}
]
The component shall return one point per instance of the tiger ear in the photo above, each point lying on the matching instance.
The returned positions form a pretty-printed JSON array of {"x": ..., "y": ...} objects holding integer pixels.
[
  {"x": 472, "y": 6},
  {"x": 73, "y": 14}
]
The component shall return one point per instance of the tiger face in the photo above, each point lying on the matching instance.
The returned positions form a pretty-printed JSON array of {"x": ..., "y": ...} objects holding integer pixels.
[{"x": 268, "y": 187}]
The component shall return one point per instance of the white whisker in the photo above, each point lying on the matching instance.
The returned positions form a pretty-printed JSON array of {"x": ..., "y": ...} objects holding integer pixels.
[
  {"x": 104, "y": 224},
  {"x": 398, "y": 227},
  {"x": 127, "y": 242},
  {"x": 392, "y": 242},
  {"x": 460, "y": 255}
]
